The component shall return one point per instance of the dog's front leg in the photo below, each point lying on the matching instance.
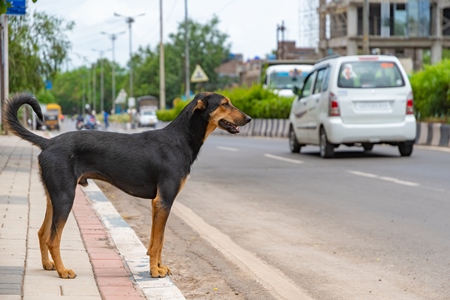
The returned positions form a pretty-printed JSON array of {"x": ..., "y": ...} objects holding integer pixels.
[{"x": 159, "y": 219}]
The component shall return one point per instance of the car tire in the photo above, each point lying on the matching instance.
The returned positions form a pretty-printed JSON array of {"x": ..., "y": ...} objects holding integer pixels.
[
  {"x": 405, "y": 148},
  {"x": 326, "y": 148},
  {"x": 367, "y": 147},
  {"x": 293, "y": 143}
]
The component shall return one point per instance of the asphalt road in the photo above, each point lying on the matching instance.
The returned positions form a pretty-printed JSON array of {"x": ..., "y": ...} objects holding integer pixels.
[
  {"x": 359, "y": 226},
  {"x": 351, "y": 227}
]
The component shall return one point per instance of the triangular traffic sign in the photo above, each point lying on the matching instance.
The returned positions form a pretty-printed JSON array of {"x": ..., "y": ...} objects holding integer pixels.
[{"x": 199, "y": 75}]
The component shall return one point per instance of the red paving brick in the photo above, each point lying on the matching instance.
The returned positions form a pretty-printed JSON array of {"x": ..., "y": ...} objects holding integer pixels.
[{"x": 113, "y": 278}]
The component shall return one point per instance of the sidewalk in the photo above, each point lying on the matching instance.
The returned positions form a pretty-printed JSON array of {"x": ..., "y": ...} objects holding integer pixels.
[{"x": 105, "y": 253}]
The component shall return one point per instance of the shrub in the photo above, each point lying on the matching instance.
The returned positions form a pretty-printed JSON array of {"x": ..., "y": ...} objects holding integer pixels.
[
  {"x": 170, "y": 114},
  {"x": 259, "y": 103},
  {"x": 431, "y": 89},
  {"x": 255, "y": 101}
]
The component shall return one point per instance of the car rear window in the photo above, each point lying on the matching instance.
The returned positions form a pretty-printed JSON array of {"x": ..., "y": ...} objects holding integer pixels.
[
  {"x": 287, "y": 79},
  {"x": 370, "y": 74}
]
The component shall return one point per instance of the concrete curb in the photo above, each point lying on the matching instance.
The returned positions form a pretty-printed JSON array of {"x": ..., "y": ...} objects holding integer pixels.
[{"x": 433, "y": 134}]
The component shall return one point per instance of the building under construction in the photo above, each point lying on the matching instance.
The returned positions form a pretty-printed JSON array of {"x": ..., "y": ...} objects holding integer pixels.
[{"x": 404, "y": 28}]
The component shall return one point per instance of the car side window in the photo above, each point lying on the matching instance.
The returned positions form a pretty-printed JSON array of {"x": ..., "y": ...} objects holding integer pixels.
[
  {"x": 308, "y": 84},
  {"x": 326, "y": 79},
  {"x": 319, "y": 81}
]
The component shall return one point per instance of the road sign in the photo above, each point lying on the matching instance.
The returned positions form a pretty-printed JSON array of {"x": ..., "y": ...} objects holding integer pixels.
[
  {"x": 121, "y": 98},
  {"x": 131, "y": 102},
  {"x": 18, "y": 7},
  {"x": 199, "y": 75},
  {"x": 48, "y": 84}
]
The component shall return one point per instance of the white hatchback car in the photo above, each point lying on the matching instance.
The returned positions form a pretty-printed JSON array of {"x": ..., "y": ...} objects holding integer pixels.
[
  {"x": 355, "y": 101},
  {"x": 147, "y": 118}
]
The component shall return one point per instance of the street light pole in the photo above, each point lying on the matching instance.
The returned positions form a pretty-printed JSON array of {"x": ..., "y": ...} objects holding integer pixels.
[
  {"x": 113, "y": 37},
  {"x": 162, "y": 84},
  {"x": 102, "y": 81},
  {"x": 186, "y": 39},
  {"x": 130, "y": 21}
]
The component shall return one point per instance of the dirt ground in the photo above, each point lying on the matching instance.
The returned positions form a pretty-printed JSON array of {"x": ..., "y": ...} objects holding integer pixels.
[{"x": 199, "y": 270}]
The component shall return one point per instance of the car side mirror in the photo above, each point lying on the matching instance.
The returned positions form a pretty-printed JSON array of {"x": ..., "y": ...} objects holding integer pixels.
[{"x": 296, "y": 90}]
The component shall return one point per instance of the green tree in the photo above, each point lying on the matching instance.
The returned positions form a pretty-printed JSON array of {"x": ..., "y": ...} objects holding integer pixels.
[
  {"x": 207, "y": 47},
  {"x": 38, "y": 46}
]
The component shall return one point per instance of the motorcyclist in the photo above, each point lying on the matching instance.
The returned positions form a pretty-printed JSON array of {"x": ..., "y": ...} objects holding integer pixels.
[{"x": 89, "y": 120}]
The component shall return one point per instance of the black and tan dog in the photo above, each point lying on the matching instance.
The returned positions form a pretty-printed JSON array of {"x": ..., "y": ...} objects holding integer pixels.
[{"x": 152, "y": 164}]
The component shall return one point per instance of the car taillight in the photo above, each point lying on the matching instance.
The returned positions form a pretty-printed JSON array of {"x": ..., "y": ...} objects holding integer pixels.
[
  {"x": 333, "y": 109},
  {"x": 410, "y": 104}
]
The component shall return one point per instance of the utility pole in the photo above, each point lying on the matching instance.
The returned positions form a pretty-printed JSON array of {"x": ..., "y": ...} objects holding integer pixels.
[
  {"x": 88, "y": 80},
  {"x": 280, "y": 49},
  {"x": 94, "y": 96},
  {"x": 113, "y": 37},
  {"x": 186, "y": 38},
  {"x": 102, "y": 81},
  {"x": 4, "y": 66},
  {"x": 130, "y": 20},
  {"x": 366, "y": 27},
  {"x": 162, "y": 83}
]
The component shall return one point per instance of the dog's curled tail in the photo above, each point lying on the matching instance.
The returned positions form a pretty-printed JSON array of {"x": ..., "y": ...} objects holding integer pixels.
[{"x": 12, "y": 122}]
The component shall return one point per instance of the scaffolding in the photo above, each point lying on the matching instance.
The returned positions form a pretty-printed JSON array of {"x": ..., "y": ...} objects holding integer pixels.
[{"x": 308, "y": 23}]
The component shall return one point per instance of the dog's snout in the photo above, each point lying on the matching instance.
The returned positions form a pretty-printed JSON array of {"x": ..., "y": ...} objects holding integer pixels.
[{"x": 247, "y": 119}]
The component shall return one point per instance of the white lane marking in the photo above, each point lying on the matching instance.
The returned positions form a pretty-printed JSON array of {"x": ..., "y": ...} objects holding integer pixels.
[
  {"x": 294, "y": 161},
  {"x": 385, "y": 178},
  {"x": 277, "y": 282},
  {"x": 227, "y": 148}
]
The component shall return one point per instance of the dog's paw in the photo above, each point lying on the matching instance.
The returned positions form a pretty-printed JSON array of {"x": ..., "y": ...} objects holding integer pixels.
[
  {"x": 48, "y": 265},
  {"x": 160, "y": 271},
  {"x": 67, "y": 274}
]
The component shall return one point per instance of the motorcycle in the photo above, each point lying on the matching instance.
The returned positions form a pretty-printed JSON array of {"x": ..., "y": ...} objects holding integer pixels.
[{"x": 80, "y": 125}]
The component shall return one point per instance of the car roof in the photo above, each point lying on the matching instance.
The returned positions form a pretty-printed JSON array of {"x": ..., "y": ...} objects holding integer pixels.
[{"x": 337, "y": 59}]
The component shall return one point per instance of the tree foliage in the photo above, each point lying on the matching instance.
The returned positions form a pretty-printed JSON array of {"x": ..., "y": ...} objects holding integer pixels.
[
  {"x": 207, "y": 47},
  {"x": 38, "y": 46}
]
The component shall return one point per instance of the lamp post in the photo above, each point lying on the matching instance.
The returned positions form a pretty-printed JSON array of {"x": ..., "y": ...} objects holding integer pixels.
[
  {"x": 83, "y": 105},
  {"x": 130, "y": 21},
  {"x": 162, "y": 83},
  {"x": 102, "y": 81},
  {"x": 186, "y": 46},
  {"x": 113, "y": 37}
]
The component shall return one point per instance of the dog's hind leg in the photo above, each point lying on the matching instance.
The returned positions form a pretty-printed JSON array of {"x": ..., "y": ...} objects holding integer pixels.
[
  {"x": 44, "y": 234},
  {"x": 62, "y": 197}
]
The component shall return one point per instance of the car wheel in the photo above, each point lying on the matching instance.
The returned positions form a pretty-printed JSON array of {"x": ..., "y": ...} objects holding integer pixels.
[
  {"x": 367, "y": 147},
  {"x": 326, "y": 148},
  {"x": 405, "y": 148},
  {"x": 293, "y": 143}
]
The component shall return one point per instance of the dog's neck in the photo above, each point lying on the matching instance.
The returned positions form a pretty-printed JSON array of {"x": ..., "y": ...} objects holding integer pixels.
[{"x": 192, "y": 130}]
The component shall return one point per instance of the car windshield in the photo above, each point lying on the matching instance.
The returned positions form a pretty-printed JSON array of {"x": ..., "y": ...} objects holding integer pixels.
[
  {"x": 148, "y": 113},
  {"x": 287, "y": 80},
  {"x": 370, "y": 74}
]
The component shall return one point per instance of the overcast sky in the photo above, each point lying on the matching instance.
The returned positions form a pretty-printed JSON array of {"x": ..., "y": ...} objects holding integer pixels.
[{"x": 250, "y": 24}]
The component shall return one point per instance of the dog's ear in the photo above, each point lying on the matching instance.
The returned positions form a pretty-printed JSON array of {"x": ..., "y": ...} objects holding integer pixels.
[{"x": 200, "y": 102}]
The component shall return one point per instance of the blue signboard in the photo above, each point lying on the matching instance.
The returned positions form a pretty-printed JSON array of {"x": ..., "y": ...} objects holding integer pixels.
[
  {"x": 48, "y": 84},
  {"x": 18, "y": 7}
]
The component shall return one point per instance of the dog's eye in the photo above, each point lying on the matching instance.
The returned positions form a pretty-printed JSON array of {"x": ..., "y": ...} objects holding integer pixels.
[{"x": 226, "y": 104}]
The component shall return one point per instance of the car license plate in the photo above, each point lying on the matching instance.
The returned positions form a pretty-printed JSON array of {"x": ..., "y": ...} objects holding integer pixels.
[{"x": 372, "y": 105}]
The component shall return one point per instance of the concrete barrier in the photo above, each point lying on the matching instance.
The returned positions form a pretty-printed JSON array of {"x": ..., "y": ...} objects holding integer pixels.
[{"x": 432, "y": 134}]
